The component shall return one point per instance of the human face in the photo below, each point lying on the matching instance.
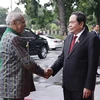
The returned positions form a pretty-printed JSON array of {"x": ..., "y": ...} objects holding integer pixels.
[
  {"x": 97, "y": 28},
  {"x": 20, "y": 25},
  {"x": 74, "y": 26}
]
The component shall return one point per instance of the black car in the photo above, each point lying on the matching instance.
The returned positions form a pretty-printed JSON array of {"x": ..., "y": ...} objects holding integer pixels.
[{"x": 35, "y": 44}]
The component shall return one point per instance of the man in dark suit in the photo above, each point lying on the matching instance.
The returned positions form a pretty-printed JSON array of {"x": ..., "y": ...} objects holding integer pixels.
[
  {"x": 95, "y": 30},
  {"x": 80, "y": 63}
]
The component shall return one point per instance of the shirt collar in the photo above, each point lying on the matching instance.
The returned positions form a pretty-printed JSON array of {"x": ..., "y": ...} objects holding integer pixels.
[
  {"x": 13, "y": 31},
  {"x": 78, "y": 35},
  {"x": 95, "y": 31}
]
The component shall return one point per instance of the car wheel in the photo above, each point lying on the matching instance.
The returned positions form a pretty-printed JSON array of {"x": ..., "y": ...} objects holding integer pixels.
[{"x": 43, "y": 53}]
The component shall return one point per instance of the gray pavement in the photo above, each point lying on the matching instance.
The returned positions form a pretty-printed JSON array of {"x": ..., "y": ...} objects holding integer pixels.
[{"x": 45, "y": 91}]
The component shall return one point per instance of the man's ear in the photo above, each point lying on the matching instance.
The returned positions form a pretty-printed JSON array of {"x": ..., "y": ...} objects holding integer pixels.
[
  {"x": 82, "y": 24},
  {"x": 13, "y": 22}
]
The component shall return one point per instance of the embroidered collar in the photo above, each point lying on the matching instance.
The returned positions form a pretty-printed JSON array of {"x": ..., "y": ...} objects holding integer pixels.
[{"x": 13, "y": 31}]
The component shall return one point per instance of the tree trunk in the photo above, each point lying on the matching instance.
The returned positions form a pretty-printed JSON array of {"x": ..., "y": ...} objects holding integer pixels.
[{"x": 63, "y": 25}]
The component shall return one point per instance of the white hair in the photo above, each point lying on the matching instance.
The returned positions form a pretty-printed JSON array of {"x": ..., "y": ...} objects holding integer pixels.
[{"x": 13, "y": 16}]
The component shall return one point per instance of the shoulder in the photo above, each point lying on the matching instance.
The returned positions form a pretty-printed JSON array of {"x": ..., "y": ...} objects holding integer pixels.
[
  {"x": 92, "y": 34},
  {"x": 18, "y": 41},
  {"x": 93, "y": 37},
  {"x": 99, "y": 36},
  {"x": 69, "y": 36}
]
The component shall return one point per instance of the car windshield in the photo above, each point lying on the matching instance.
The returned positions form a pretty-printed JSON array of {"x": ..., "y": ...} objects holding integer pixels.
[{"x": 28, "y": 33}]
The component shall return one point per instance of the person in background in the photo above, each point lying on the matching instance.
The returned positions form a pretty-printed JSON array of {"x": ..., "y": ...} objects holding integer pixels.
[
  {"x": 17, "y": 68},
  {"x": 95, "y": 29},
  {"x": 79, "y": 59}
]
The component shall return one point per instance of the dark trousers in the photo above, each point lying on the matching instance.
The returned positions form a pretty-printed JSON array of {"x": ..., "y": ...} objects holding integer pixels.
[
  {"x": 74, "y": 95},
  {"x": 13, "y": 99}
]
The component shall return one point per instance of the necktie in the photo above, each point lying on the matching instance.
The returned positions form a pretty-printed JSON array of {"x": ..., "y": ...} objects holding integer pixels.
[{"x": 72, "y": 43}]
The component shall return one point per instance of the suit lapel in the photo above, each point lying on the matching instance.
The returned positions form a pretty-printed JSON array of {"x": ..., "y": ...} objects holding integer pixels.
[
  {"x": 68, "y": 42},
  {"x": 81, "y": 38}
]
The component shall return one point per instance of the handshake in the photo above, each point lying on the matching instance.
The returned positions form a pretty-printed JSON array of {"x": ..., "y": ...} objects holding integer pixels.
[{"x": 48, "y": 72}]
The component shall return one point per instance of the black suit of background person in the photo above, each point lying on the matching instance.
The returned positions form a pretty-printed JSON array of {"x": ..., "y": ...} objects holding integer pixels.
[
  {"x": 95, "y": 30},
  {"x": 80, "y": 65}
]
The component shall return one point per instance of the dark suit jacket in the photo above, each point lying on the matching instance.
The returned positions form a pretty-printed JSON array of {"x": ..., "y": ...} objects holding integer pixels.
[
  {"x": 80, "y": 66},
  {"x": 98, "y": 34}
]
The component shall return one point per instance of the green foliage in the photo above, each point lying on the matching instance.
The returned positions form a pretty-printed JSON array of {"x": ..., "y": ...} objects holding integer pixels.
[
  {"x": 39, "y": 15},
  {"x": 44, "y": 19},
  {"x": 58, "y": 36},
  {"x": 17, "y": 9},
  {"x": 97, "y": 11},
  {"x": 55, "y": 27},
  {"x": 31, "y": 7},
  {"x": 67, "y": 8},
  {"x": 3, "y": 14},
  {"x": 91, "y": 8},
  {"x": 86, "y": 6}
]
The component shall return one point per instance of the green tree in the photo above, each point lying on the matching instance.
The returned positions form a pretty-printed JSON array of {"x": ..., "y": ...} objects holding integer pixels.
[
  {"x": 39, "y": 15},
  {"x": 97, "y": 11},
  {"x": 17, "y": 9},
  {"x": 91, "y": 8},
  {"x": 62, "y": 9},
  {"x": 62, "y": 16},
  {"x": 3, "y": 14}
]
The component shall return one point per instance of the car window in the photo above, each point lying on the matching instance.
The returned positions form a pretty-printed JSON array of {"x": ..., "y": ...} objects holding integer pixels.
[{"x": 28, "y": 33}]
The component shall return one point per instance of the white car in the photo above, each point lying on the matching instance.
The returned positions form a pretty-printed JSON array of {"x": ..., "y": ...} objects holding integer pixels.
[{"x": 53, "y": 43}]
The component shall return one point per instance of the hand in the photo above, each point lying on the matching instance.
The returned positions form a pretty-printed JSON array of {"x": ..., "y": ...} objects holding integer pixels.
[
  {"x": 86, "y": 93},
  {"x": 48, "y": 72}
]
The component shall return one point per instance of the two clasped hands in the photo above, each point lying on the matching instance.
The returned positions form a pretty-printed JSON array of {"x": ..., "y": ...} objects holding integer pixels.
[{"x": 48, "y": 72}]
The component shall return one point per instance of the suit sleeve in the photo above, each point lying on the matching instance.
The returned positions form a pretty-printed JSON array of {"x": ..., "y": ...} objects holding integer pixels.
[
  {"x": 58, "y": 64},
  {"x": 25, "y": 58},
  {"x": 93, "y": 56}
]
